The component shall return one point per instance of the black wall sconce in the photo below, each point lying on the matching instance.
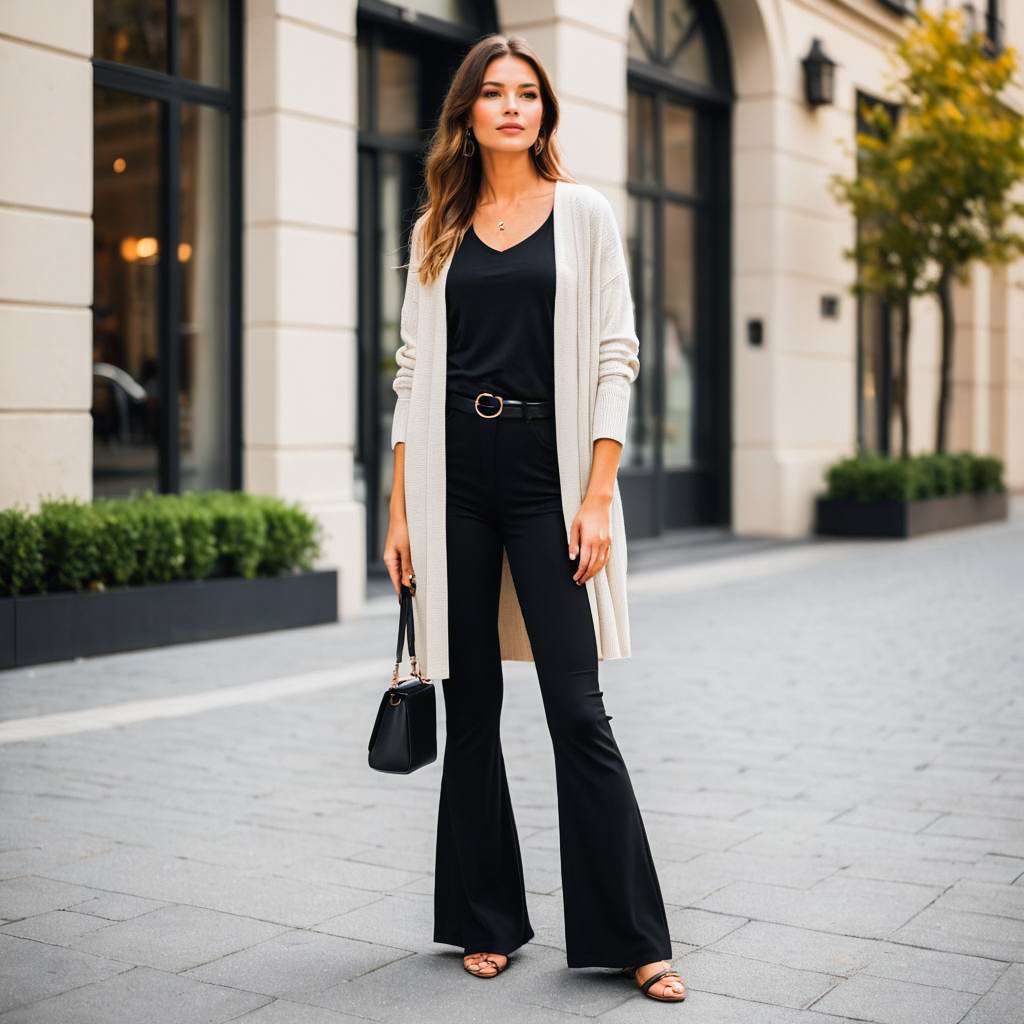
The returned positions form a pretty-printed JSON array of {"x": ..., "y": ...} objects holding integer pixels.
[{"x": 819, "y": 76}]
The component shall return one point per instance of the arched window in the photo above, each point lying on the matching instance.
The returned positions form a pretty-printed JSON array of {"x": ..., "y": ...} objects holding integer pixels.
[
  {"x": 681, "y": 38},
  {"x": 679, "y": 94}
]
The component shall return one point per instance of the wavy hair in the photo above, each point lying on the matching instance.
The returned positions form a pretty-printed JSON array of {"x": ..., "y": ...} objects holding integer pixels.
[{"x": 452, "y": 179}]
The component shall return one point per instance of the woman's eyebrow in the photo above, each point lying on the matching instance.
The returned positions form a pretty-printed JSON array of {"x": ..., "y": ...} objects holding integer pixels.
[{"x": 521, "y": 84}]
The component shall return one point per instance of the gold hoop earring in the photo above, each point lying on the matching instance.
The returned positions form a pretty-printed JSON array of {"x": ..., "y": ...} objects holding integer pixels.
[
  {"x": 468, "y": 146},
  {"x": 538, "y": 145}
]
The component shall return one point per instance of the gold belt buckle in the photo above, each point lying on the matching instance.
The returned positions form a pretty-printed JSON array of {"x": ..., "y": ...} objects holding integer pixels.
[{"x": 476, "y": 405}]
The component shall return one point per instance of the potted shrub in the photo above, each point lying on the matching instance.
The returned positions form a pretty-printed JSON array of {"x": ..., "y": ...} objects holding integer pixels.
[
  {"x": 882, "y": 496},
  {"x": 80, "y": 579}
]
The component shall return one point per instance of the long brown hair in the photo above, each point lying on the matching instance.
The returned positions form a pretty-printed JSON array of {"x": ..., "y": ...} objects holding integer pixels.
[{"x": 453, "y": 179}]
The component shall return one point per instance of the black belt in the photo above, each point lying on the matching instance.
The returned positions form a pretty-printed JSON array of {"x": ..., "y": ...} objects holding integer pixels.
[{"x": 490, "y": 406}]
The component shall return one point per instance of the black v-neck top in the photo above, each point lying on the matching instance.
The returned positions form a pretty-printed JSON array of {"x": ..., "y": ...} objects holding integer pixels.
[{"x": 501, "y": 316}]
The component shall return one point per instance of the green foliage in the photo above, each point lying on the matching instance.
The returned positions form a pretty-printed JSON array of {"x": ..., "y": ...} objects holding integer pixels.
[
  {"x": 292, "y": 539},
  {"x": 934, "y": 188},
  {"x": 68, "y": 529},
  {"x": 155, "y": 538},
  {"x": 240, "y": 530},
  {"x": 117, "y": 543},
  {"x": 881, "y": 478},
  {"x": 21, "y": 552}
]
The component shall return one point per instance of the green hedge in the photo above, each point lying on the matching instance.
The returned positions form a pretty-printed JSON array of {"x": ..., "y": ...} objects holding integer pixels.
[
  {"x": 882, "y": 478},
  {"x": 156, "y": 538}
]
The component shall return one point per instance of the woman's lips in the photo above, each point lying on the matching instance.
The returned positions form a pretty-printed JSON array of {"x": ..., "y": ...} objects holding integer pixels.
[{"x": 510, "y": 128}]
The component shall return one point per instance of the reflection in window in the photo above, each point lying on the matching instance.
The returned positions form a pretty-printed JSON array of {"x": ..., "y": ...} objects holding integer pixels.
[
  {"x": 131, "y": 32},
  {"x": 398, "y": 80},
  {"x": 126, "y": 228},
  {"x": 203, "y": 258},
  {"x": 203, "y": 41},
  {"x": 640, "y": 244},
  {"x": 670, "y": 34},
  {"x": 678, "y": 136},
  {"x": 679, "y": 341},
  {"x": 641, "y": 137}
]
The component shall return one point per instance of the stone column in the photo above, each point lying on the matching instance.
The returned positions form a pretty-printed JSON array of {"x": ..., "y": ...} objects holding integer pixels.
[
  {"x": 46, "y": 252},
  {"x": 300, "y": 354}
]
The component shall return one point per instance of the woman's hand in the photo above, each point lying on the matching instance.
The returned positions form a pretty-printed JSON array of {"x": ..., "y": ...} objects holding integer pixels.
[
  {"x": 396, "y": 551},
  {"x": 591, "y": 535}
]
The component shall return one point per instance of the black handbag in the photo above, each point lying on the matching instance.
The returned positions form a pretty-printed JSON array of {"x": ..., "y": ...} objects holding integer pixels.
[{"x": 404, "y": 735}]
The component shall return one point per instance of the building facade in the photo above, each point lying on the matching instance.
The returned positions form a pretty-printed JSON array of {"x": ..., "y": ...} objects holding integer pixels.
[{"x": 273, "y": 148}]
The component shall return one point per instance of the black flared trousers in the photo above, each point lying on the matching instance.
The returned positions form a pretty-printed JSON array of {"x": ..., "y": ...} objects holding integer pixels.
[{"x": 503, "y": 489}]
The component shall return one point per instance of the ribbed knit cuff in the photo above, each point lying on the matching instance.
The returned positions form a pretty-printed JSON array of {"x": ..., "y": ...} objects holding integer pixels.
[
  {"x": 399, "y": 421},
  {"x": 611, "y": 410}
]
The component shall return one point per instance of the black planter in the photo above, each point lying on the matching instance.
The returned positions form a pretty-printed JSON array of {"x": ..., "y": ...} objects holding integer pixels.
[
  {"x": 38, "y": 628},
  {"x": 846, "y": 518}
]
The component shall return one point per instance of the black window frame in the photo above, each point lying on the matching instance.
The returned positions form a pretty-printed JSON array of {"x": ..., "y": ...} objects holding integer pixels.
[
  {"x": 650, "y": 490},
  {"x": 171, "y": 91}
]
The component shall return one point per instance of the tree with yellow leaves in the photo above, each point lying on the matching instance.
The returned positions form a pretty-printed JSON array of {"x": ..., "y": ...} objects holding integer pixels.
[{"x": 951, "y": 163}]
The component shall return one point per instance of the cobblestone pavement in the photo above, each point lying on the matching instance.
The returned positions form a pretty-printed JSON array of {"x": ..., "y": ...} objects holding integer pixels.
[{"x": 826, "y": 740}]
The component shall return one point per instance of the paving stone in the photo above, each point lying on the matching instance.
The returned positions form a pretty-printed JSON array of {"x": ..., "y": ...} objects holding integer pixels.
[
  {"x": 1004, "y": 1001},
  {"x": 701, "y": 927},
  {"x": 28, "y": 895},
  {"x": 57, "y": 927},
  {"x": 288, "y": 901},
  {"x": 895, "y": 1002},
  {"x": 284, "y": 1011},
  {"x": 984, "y": 898},
  {"x": 995, "y": 867},
  {"x": 403, "y": 922},
  {"x": 175, "y": 938},
  {"x": 708, "y": 970},
  {"x": 799, "y": 948},
  {"x": 140, "y": 994},
  {"x": 117, "y": 906},
  {"x": 30, "y": 971},
  {"x": 296, "y": 963},
  {"x": 929, "y": 967},
  {"x": 955, "y": 931},
  {"x": 850, "y": 906}
]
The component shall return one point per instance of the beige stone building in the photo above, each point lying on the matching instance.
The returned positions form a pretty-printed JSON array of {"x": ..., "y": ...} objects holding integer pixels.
[{"x": 273, "y": 149}]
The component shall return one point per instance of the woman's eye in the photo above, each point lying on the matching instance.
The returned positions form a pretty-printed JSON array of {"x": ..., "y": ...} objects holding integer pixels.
[{"x": 494, "y": 92}]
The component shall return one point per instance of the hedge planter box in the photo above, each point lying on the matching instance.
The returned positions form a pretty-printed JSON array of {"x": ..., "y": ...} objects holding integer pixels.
[
  {"x": 847, "y": 518},
  {"x": 38, "y": 628}
]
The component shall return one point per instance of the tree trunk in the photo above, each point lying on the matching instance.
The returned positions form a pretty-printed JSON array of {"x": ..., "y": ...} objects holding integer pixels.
[
  {"x": 904, "y": 389},
  {"x": 945, "y": 296}
]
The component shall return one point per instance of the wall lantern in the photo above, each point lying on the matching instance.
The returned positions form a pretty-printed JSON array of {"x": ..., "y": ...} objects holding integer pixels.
[{"x": 819, "y": 76}]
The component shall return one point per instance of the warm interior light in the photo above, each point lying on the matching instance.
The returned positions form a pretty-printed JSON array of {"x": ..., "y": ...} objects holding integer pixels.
[
  {"x": 119, "y": 165},
  {"x": 184, "y": 252},
  {"x": 128, "y": 249},
  {"x": 146, "y": 247}
]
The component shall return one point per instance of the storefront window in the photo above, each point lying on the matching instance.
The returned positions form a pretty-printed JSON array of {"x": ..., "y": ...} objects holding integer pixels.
[
  {"x": 166, "y": 309},
  {"x": 126, "y": 279}
]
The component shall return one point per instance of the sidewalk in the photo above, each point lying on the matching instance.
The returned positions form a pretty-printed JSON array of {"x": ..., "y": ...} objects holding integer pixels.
[{"x": 825, "y": 739}]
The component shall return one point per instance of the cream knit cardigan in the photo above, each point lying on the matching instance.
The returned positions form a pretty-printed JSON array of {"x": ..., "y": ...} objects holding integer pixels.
[{"x": 595, "y": 360}]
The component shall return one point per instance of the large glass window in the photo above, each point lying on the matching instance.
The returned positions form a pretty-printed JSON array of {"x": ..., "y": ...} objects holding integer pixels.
[
  {"x": 676, "y": 453},
  {"x": 166, "y": 222},
  {"x": 404, "y": 69}
]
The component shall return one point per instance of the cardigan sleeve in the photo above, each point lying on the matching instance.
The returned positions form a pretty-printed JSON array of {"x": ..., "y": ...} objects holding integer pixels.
[
  {"x": 619, "y": 346},
  {"x": 405, "y": 354}
]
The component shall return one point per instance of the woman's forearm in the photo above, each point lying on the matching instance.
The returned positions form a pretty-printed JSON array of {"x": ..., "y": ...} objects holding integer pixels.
[
  {"x": 397, "y": 505},
  {"x": 603, "y": 469}
]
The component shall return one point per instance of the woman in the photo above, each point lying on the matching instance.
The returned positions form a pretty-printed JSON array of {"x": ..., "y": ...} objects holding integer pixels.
[{"x": 518, "y": 351}]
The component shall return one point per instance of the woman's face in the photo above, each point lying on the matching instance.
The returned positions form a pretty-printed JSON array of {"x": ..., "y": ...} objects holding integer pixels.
[{"x": 509, "y": 95}]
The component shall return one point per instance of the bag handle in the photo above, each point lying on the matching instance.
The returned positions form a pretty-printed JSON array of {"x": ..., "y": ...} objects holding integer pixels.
[{"x": 406, "y": 621}]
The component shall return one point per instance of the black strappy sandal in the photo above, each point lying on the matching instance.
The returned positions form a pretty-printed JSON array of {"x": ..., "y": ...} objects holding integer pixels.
[
  {"x": 498, "y": 968},
  {"x": 645, "y": 986}
]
